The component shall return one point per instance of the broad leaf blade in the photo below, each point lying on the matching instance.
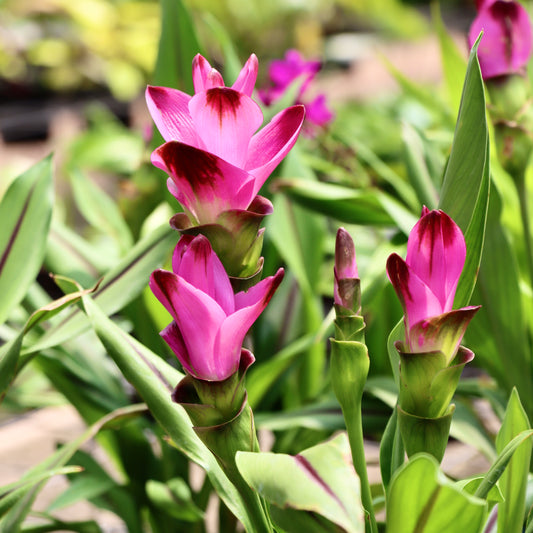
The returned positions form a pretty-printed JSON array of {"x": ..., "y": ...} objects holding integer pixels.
[
  {"x": 25, "y": 212},
  {"x": 318, "y": 479},
  {"x": 118, "y": 287},
  {"x": 422, "y": 499},
  {"x": 154, "y": 380}
]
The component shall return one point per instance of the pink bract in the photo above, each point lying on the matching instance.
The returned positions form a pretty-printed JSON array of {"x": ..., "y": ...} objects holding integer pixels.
[
  {"x": 505, "y": 47},
  {"x": 426, "y": 282},
  {"x": 210, "y": 320}
]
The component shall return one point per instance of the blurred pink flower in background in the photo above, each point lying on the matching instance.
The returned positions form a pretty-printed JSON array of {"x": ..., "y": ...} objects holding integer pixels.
[
  {"x": 283, "y": 73},
  {"x": 505, "y": 47}
]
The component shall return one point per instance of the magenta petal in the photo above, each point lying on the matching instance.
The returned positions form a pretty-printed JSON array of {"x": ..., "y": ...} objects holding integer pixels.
[
  {"x": 207, "y": 185},
  {"x": 261, "y": 293},
  {"x": 249, "y": 305},
  {"x": 226, "y": 120},
  {"x": 199, "y": 319},
  {"x": 270, "y": 145},
  {"x": 417, "y": 300},
  {"x": 201, "y": 267},
  {"x": 245, "y": 82},
  {"x": 204, "y": 76},
  {"x": 436, "y": 253},
  {"x": 170, "y": 111},
  {"x": 172, "y": 336}
]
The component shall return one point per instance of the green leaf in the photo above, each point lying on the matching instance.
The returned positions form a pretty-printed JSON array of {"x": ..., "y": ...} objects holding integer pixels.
[
  {"x": 119, "y": 286},
  {"x": 464, "y": 172},
  {"x": 174, "y": 498},
  {"x": 498, "y": 467},
  {"x": 10, "y": 352},
  {"x": 391, "y": 450},
  {"x": 25, "y": 212},
  {"x": 422, "y": 499},
  {"x": 453, "y": 62},
  {"x": 465, "y": 189},
  {"x": 317, "y": 480},
  {"x": 87, "y": 526},
  {"x": 506, "y": 352},
  {"x": 177, "y": 47},
  {"x": 385, "y": 172},
  {"x": 471, "y": 485},
  {"x": 418, "y": 171},
  {"x": 100, "y": 210},
  {"x": 19, "y": 508},
  {"x": 154, "y": 380},
  {"x": 511, "y": 512},
  {"x": 262, "y": 376},
  {"x": 342, "y": 203},
  {"x": 232, "y": 63}
]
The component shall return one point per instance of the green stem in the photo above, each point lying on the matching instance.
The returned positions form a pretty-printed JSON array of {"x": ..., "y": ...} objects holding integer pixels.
[
  {"x": 354, "y": 426},
  {"x": 524, "y": 212},
  {"x": 254, "y": 506}
]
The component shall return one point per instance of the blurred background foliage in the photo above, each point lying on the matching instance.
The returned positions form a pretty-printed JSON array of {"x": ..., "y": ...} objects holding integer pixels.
[{"x": 59, "y": 45}]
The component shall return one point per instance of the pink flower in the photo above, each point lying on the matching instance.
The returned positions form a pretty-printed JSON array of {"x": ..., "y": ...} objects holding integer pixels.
[
  {"x": 505, "y": 47},
  {"x": 216, "y": 160},
  {"x": 283, "y": 73},
  {"x": 210, "y": 321},
  {"x": 345, "y": 270},
  {"x": 426, "y": 283}
]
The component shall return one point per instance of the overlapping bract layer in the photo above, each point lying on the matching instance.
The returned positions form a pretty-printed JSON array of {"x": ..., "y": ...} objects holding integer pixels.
[
  {"x": 425, "y": 283},
  {"x": 506, "y": 44},
  {"x": 210, "y": 320},
  {"x": 216, "y": 160}
]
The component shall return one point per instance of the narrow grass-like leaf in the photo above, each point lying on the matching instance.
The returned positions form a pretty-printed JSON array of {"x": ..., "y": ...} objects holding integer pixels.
[
  {"x": 464, "y": 172},
  {"x": 418, "y": 172},
  {"x": 154, "y": 380},
  {"x": 100, "y": 210},
  {"x": 453, "y": 62},
  {"x": 177, "y": 47},
  {"x": 10, "y": 352},
  {"x": 498, "y": 467},
  {"x": 513, "y": 483},
  {"x": 465, "y": 189},
  {"x": 119, "y": 286},
  {"x": 18, "y": 510},
  {"x": 25, "y": 212}
]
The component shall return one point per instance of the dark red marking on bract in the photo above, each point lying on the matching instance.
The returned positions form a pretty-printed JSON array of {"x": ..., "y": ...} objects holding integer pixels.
[
  {"x": 196, "y": 165},
  {"x": 398, "y": 272},
  {"x": 316, "y": 477},
  {"x": 223, "y": 100},
  {"x": 506, "y": 13},
  {"x": 435, "y": 225}
]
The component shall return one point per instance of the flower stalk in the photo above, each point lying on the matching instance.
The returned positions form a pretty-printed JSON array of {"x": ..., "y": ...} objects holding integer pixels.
[{"x": 350, "y": 362}]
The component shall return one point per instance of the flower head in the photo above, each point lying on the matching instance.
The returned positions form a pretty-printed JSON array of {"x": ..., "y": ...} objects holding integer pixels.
[
  {"x": 426, "y": 283},
  {"x": 506, "y": 44},
  {"x": 210, "y": 320},
  {"x": 216, "y": 160}
]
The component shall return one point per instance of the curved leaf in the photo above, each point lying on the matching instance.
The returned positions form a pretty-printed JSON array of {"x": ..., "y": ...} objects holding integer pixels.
[{"x": 25, "y": 212}]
